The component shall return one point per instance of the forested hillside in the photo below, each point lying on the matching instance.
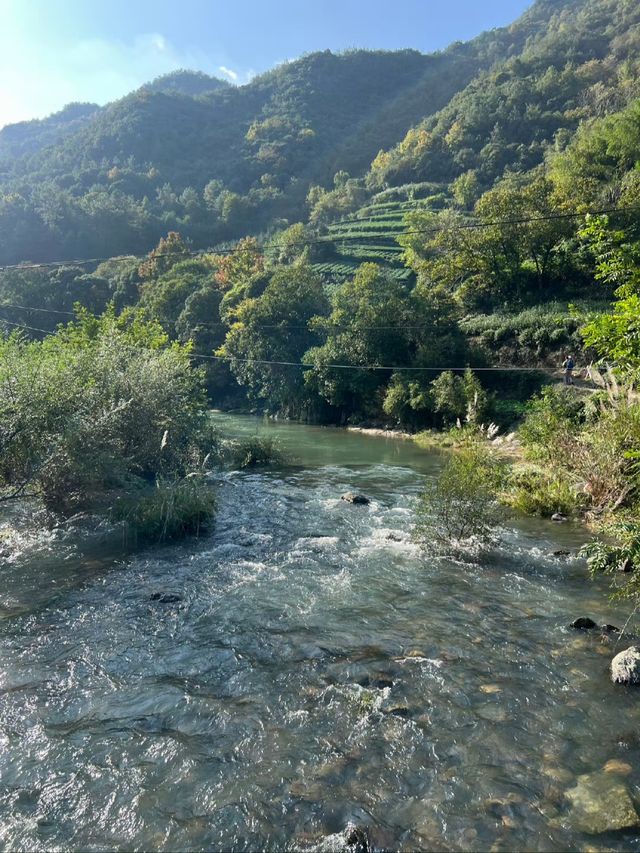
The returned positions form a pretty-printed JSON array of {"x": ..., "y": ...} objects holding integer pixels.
[
  {"x": 191, "y": 153},
  {"x": 470, "y": 241}
]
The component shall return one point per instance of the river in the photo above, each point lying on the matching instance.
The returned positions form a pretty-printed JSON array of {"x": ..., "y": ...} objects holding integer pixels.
[{"x": 317, "y": 670}]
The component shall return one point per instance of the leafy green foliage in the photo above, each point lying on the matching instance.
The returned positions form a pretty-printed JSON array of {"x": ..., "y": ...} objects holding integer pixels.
[
  {"x": 462, "y": 504},
  {"x": 256, "y": 450},
  {"x": 591, "y": 449},
  {"x": 171, "y": 510},
  {"x": 616, "y": 552},
  {"x": 104, "y": 405},
  {"x": 535, "y": 492},
  {"x": 273, "y": 326}
]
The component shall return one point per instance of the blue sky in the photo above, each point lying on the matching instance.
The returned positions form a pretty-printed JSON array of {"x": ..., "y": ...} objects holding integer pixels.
[{"x": 56, "y": 51}]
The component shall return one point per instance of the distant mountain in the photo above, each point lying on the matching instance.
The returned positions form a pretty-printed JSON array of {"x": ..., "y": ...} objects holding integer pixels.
[
  {"x": 26, "y": 137},
  {"x": 185, "y": 82},
  {"x": 193, "y": 153}
]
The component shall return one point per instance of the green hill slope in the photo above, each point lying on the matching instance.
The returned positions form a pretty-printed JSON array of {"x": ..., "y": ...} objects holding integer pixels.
[{"x": 214, "y": 161}]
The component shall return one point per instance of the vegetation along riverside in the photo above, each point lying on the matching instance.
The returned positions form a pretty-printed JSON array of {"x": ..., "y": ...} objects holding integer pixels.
[{"x": 320, "y": 453}]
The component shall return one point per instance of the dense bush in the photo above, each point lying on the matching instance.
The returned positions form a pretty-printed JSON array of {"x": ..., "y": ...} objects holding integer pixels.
[
  {"x": 535, "y": 492},
  {"x": 591, "y": 447},
  {"x": 616, "y": 552},
  {"x": 171, "y": 510},
  {"x": 462, "y": 504},
  {"x": 256, "y": 450},
  {"x": 103, "y": 407}
]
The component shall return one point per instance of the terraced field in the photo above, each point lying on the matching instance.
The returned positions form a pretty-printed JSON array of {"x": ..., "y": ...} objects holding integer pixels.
[{"x": 368, "y": 235}]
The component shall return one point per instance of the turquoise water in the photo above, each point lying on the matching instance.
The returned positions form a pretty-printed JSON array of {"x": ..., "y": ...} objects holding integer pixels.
[{"x": 317, "y": 670}]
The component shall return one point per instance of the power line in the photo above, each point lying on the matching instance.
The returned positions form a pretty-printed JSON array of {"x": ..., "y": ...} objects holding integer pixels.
[
  {"x": 285, "y": 327},
  {"x": 22, "y": 326},
  {"x": 395, "y": 368},
  {"x": 32, "y": 308},
  {"x": 328, "y": 239},
  {"x": 376, "y": 367}
]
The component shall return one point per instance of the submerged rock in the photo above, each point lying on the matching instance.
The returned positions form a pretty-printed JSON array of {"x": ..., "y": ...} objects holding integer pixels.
[
  {"x": 352, "y": 498},
  {"x": 356, "y": 839},
  {"x": 625, "y": 667},
  {"x": 562, "y": 552},
  {"x": 379, "y": 682},
  {"x": 583, "y": 623},
  {"x": 610, "y": 629},
  {"x": 600, "y": 803},
  {"x": 165, "y": 597},
  {"x": 614, "y": 765},
  {"x": 352, "y": 839}
]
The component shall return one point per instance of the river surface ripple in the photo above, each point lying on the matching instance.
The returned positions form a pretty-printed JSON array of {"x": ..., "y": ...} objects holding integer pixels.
[{"x": 317, "y": 670}]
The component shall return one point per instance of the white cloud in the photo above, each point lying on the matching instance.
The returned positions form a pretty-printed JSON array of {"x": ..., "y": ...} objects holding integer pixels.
[
  {"x": 37, "y": 79},
  {"x": 229, "y": 72}
]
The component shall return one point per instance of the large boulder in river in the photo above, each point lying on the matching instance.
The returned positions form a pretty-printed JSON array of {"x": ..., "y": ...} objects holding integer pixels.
[
  {"x": 625, "y": 667},
  {"x": 600, "y": 803},
  {"x": 352, "y": 498}
]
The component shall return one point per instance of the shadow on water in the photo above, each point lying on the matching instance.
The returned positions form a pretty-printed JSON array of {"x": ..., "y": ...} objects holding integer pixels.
[{"x": 305, "y": 666}]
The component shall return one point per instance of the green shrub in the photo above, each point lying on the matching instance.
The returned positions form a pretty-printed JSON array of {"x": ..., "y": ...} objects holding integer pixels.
[
  {"x": 616, "y": 552},
  {"x": 552, "y": 421},
  {"x": 459, "y": 397},
  {"x": 538, "y": 493},
  {"x": 462, "y": 503},
  {"x": 256, "y": 450},
  {"x": 172, "y": 510},
  {"x": 102, "y": 407}
]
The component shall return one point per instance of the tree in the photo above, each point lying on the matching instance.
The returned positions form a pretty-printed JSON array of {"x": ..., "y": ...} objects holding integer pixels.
[
  {"x": 274, "y": 327},
  {"x": 169, "y": 251},
  {"x": 366, "y": 328}
]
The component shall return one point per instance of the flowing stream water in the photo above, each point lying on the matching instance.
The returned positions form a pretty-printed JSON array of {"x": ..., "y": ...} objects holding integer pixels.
[{"x": 317, "y": 669}]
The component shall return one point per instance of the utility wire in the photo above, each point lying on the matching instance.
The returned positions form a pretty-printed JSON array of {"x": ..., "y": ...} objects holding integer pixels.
[
  {"x": 306, "y": 365},
  {"x": 32, "y": 308},
  {"x": 285, "y": 327},
  {"x": 375, "y": 366},
  {"x": 329, "y": 239}
]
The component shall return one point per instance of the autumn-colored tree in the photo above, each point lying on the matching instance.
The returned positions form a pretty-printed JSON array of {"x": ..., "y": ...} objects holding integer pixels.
[{"x": 167, "y": 253}]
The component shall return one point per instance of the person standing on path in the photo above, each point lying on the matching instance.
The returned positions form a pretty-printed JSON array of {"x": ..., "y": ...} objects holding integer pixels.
[{"x": 567, "y": 365}]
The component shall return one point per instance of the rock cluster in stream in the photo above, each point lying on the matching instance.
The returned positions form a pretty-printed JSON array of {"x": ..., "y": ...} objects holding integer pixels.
[{"x": 584, "y": 623}]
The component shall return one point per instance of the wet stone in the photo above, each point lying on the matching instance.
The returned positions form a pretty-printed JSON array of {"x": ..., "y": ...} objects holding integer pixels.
[
  {"x": 492, "y": 713},
  {"x": 397, "y": 709},
  {"x": 356, "y": 839},
  {"x": 559, "y": 517},
  {"x": 599, "y": 804},
  {"x": 377, "y": 682},
  {"x": 583, "y": 623},
  {"x": 562, "y": 552},
  {"x": 352, "y": 498},
  {"x": 621, "y": 768},
  {"x": 558, "y": 774},
  {"x": 165, "y": 598},
  {"x": 625, "y": 667}
]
